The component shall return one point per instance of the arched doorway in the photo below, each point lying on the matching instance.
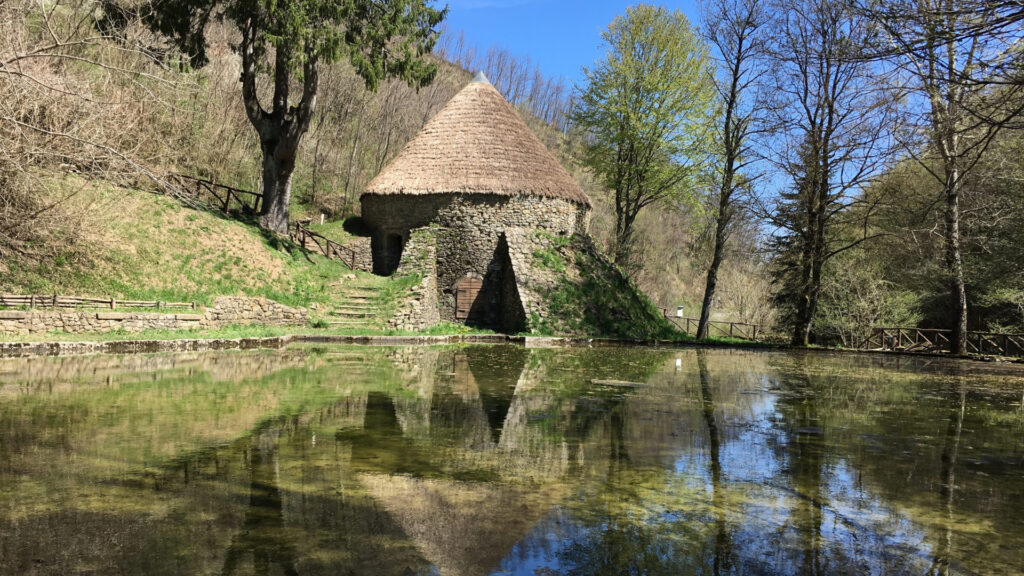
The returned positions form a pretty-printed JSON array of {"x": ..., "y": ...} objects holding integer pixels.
[{"x": 467, "y": 295}]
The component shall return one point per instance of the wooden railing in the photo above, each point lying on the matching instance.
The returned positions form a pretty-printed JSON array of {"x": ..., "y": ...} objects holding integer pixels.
[
  {"x": 743, "y": 330},
  {"x": 937, "y": 340},
  {"x": 310, "y": 240},
  {"x": 218, "y": 196},
  {"x": 56, "y": 301}
]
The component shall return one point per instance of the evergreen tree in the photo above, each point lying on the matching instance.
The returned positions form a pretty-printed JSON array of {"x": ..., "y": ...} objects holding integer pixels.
[{"x": 285, "y": 42}]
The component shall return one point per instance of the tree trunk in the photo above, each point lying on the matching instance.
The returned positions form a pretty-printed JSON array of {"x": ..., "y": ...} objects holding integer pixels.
[
  {"x": 278, "y": 165},
  {"x": 624, "y": 255},
  {"x": 712, "y": 281},
  {"x": 955, "y": 266},
  {"x": 802, "y": 325}
]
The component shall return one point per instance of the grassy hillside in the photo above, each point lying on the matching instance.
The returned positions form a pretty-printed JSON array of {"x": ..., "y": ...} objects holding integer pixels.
[{"x": 149, "y": 247}]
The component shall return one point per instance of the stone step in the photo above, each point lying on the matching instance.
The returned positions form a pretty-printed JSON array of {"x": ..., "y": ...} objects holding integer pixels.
[
  {"x": 348, "y": 323},
  {"x": 344, "y": 314}
]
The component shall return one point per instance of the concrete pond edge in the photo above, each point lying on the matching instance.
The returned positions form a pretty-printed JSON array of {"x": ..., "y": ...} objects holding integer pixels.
[
  {"x": 52, "y": 349},
  {"x": 43, "y": 349}
]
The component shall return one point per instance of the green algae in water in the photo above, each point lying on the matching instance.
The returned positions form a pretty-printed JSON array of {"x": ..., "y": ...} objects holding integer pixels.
[{"x": 503, "y": 460}]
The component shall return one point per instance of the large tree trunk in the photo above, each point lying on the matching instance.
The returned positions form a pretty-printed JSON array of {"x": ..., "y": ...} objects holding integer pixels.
[
  {"x": 955, "y": 265},
  {"x": 802, "y": 323},
  {"x": 278, "y": 165}
]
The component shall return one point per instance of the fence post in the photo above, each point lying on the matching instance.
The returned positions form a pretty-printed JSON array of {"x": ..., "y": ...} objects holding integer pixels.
[
  {"x": 112, "y": 301},
  {"x": 54, "y": 301}
]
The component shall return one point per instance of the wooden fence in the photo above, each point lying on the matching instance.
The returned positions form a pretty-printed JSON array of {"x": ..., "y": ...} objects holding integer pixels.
[
  {"x": 310, "y": 240},
  {"x": 937, "y": 340},
  {"x": 716, "y": 328},
  {"x": 227, "y": 199},
  {"x": 56, "y": 301}
]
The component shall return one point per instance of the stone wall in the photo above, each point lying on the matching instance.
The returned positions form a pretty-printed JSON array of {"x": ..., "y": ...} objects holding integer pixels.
[
  {"x": 471, "y": 227},
  {"x": 362, "y": 246},
  {"x": 418, "y": 310},
  {"x": 225, "y": 311},
  {"x": 534, "y": 282},
  {"x": 230, "y": 310}
]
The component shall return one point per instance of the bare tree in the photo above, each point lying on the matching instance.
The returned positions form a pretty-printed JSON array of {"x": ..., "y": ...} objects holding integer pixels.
[
  {"x": 735, "y": 28},
  {"x": 949, "y": 51},
  {"x": 56, "y": 120},
  {"x": 834, "y": 127}
]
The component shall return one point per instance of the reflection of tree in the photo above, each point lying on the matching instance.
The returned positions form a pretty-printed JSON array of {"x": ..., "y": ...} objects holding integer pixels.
[
  {"x": 263, "y": 531},
  {"x": 805, "y": 461},
  {"x": 950, "y": 452},
  {"x": 723, "y": 544}
]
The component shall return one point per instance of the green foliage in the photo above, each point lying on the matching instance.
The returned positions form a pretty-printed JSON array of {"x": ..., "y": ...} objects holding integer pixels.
[
  {"x": 390, "y": 297},
  {"x": 648, "y": 109},
  {"x": 549, "y": 259},
  {"x": 856, "y": 298},
  {"x": 380, "y": 38},
  {"x": 602, "y": 302}
]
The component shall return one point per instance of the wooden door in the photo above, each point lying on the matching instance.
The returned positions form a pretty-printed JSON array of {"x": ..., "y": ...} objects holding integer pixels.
[{"x": 466, "y": 294}]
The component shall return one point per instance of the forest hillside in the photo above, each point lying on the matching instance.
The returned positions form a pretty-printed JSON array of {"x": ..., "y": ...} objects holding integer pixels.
[{"x": 81, "y": 135}]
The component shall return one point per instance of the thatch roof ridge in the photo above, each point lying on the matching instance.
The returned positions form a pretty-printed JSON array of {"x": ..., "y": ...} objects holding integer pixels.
[{"x": 477, "y": 143}]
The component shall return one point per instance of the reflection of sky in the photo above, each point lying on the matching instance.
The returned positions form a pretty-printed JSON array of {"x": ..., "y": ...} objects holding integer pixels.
[
  {"x": 469, "y": 451},
  {"x": 762, "y": 509}
]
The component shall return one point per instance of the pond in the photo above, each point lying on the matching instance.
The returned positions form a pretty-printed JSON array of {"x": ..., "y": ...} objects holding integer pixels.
[{"x": 506, "y": 460}]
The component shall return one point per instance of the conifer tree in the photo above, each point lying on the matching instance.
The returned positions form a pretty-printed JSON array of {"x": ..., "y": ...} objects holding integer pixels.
[{"x": 284, "y": 42}]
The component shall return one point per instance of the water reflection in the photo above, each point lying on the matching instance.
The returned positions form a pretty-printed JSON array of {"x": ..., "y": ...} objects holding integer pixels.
[{"x": 503, "y": 460}]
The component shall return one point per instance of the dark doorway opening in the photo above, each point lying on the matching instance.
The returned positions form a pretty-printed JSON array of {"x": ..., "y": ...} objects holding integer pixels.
[{"x": 387, "y": 253}]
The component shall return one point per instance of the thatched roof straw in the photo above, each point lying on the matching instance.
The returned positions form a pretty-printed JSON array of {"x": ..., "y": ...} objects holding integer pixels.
[
  {"x": 463, "y": 528},
  {"x": 477, "y": 144}
]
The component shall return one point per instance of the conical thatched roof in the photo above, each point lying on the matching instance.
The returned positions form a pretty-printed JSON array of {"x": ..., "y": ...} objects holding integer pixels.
[{"x": 478, "y": 144}]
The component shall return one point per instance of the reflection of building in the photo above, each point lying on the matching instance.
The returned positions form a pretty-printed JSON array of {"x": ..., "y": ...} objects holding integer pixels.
[
  {"x": 441, "y": 457},
  {"x": 474, "y": 173}
]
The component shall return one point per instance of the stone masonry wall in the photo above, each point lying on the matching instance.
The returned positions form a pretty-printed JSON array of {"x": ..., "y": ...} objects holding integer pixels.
[
  {"x": 471, "y": 229},
  {"x": 226, "y": 311},
  {"x": 534, "y": 282},
  {"x": 363, "y": 251},
  {"x": 418, "y": 311}
]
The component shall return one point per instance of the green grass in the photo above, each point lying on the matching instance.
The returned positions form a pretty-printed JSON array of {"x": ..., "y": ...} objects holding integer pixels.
[
  {"x": 154, "y": 248},
  {"x": 602, "y": 303}
]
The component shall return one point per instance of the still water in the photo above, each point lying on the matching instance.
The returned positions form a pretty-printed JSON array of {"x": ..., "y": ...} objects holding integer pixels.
[{"x": 506, "y": 460}]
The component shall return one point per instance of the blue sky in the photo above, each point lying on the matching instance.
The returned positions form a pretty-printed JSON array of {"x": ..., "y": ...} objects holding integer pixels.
[{"x": 561, "y": 36}]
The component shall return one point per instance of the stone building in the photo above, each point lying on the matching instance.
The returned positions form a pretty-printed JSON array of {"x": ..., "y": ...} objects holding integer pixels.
[{"x": 446, "y": 208}]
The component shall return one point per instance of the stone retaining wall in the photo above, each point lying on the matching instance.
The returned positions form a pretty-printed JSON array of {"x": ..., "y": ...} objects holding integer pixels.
[
  {"x": 362, "y": 247},
  {"x": 419, "y": 309},
  {"x": 226, "y": 311}
]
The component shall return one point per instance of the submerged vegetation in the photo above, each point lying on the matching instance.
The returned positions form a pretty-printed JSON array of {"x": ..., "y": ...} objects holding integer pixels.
[{"x": 458, "y": 458}]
